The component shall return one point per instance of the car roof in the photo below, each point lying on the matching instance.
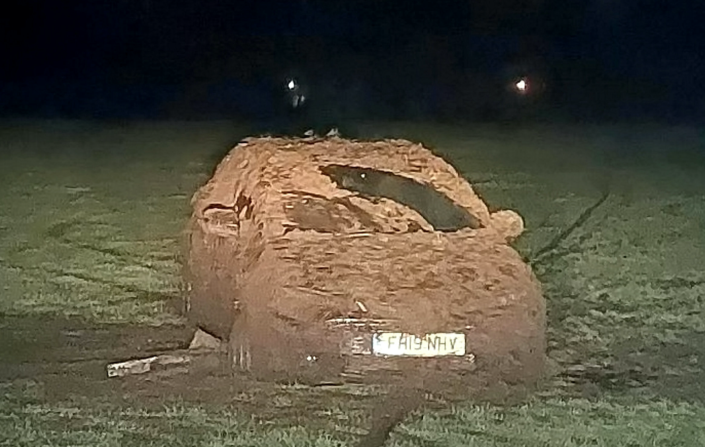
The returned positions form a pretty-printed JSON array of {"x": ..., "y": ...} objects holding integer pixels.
[{"x": 265, "y": 169}]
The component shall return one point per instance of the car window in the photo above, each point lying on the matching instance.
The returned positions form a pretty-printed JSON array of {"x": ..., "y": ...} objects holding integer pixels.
[
  {"x": 435, "y": 207},
  {"x": 313, "y": 212}
]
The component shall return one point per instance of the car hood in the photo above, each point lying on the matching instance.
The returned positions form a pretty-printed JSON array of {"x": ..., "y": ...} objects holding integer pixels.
[{"x": 416, "y": 282}]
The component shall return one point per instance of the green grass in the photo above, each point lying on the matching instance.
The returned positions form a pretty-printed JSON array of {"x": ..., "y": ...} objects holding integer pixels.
[
  {"x": 540, "y": 422},
  {"x": 90, "y": 227},
  {"x": 92, "y": 216}
]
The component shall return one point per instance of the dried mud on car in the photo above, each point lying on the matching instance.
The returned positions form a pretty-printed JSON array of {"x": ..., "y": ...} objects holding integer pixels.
[{"x": 303, "y": 253}]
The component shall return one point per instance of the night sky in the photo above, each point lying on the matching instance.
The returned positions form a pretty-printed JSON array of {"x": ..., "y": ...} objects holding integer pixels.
[{"x": 443, "y": 60}]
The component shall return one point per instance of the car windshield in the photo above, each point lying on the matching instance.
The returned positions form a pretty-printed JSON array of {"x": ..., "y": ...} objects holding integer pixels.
[{"x": 435, "y": 207}]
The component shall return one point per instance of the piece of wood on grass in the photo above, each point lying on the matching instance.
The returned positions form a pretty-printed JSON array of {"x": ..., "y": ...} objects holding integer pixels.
[{"x": 145, "y": 365}]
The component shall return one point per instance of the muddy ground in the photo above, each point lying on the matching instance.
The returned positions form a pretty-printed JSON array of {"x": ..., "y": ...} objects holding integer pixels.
[{"x": 67, "y": 360}]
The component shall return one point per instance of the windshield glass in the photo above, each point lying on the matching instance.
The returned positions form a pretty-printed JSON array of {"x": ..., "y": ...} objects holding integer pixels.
[{"x": 435, "y": 207}]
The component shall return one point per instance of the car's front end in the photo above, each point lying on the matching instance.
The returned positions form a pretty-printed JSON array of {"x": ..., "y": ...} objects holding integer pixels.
[
  {"x": 371, "y": 306},
  {"x": 325, "y": 260}
]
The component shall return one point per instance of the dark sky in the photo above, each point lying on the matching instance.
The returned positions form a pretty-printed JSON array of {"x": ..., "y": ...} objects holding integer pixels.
[{"x": 639, "y": 45}]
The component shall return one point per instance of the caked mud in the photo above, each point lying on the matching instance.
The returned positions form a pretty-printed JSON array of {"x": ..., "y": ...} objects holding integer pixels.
[{"x": 299, "y": 251}]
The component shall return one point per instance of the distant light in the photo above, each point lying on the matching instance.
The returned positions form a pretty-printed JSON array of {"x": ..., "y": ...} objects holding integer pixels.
[
  {"x": 522, "y": 85},
  {"x": 291, "y": 85}
]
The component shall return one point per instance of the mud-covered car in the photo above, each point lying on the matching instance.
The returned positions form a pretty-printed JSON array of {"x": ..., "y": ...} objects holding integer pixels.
[{"x": 328, "y": 260}]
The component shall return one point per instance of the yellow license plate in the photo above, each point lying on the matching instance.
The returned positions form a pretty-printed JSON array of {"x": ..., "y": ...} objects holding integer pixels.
[{"x": 429, "y": 345}]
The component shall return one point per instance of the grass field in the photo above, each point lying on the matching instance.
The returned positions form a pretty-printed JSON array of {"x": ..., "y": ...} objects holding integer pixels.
[{"x": 90, "y": 225}]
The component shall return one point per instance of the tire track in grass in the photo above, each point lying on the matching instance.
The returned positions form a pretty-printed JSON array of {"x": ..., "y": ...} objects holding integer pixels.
[{"x": 550, "y": 250}]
